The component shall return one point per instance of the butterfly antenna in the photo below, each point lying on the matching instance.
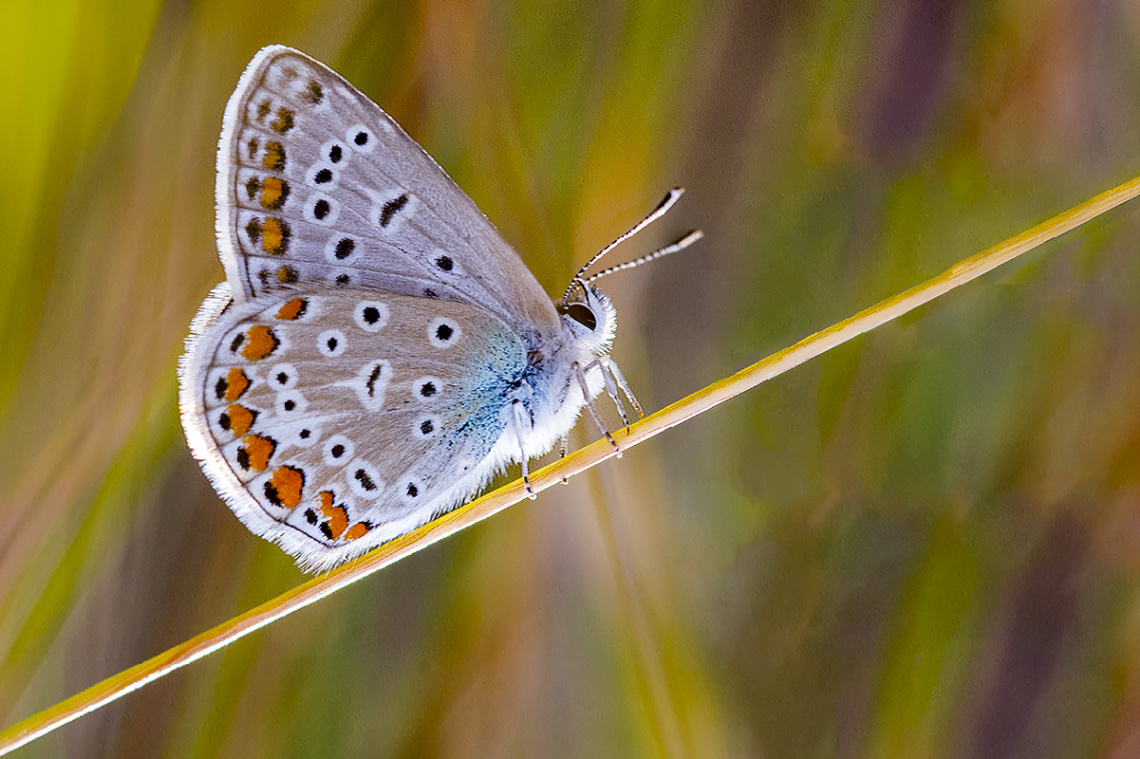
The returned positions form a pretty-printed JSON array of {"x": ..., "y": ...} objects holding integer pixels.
[
  {"x": 681, "y": 244},
  {"x": 672, "y": 197}
]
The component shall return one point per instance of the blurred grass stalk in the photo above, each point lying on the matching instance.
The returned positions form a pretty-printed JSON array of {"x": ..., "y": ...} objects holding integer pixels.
[{"x": 212, "y": 640}]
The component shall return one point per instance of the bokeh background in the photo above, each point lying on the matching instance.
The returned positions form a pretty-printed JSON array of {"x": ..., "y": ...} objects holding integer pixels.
[{"x": 924, "y": 544}]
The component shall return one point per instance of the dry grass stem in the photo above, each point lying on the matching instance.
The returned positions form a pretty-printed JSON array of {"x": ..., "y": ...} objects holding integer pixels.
[{"x": 119, "y": 685}]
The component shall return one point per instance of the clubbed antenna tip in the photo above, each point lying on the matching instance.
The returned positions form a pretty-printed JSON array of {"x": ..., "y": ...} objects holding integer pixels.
[
  {"x": 672, "y": 197},
  {"x": 688, "y": 239}
]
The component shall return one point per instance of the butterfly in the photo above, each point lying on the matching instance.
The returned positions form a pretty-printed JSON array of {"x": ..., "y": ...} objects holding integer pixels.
[{"x": 377, "y": 351}]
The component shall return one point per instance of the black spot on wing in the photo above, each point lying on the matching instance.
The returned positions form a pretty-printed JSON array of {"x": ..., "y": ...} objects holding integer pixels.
[
  {"x": 375, "y": 375},
  {"x": 391, "y": 208}
]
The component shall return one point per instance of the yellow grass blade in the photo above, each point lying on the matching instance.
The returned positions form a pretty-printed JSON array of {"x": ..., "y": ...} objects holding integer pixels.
[{"x": 158, "y": 666}]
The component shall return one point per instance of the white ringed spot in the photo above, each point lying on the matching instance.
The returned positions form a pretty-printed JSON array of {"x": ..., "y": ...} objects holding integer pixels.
[
  {"x": 338, "y": 450},
  {"x": 332, "y": 343},
  {"x": 427, "y": 388},
  {"x": 291, "y": 404},
  {"x": 341, "y": 249},
  {"x": 370, "y": 315},
  {"x": 305, "y": 435},
  {"x": 321, "y": 209},
  {"x": 283, "y": 376},
  {"x": 360, "y": 138},
  {"x": 323, "y": 176},
  {"x": 364, "y": 480},
  {"x": 446, "y": 264},
  {"x": 335, "y": 152},
  {"x": 371, "y": 383},
  {"x": 390, "y": 210},
  {"x": 444, "y": 332}
]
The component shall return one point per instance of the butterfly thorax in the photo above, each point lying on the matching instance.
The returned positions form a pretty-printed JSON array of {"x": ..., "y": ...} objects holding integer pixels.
[{"x": 549, "y": 387}]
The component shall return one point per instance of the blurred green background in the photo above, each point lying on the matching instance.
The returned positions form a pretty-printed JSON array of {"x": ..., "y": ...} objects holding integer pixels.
[{"x": 924, "y": 544}]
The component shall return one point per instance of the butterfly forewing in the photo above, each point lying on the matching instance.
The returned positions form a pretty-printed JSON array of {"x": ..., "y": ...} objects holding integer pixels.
[
  {"x": 336, "y": 420},
  {"x": 317, "y": 184}
]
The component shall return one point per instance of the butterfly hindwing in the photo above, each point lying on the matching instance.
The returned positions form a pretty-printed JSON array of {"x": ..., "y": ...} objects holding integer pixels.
[
  {"x": 317, "y": 184},
  {"x": 336, "y": 420}
]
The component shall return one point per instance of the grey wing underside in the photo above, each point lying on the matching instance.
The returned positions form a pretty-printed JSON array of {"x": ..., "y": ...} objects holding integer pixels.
[
  {"x": 333, "y": 449},
  {"x": 317, "y": 184}
]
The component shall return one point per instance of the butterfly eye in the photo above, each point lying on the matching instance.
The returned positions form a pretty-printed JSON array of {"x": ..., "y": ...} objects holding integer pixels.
[{"x": 582, "y": 314}]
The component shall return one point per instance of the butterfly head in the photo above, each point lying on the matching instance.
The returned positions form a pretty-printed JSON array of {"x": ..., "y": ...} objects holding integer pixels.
[
  {"x": 586, "y": 311},
  {"x": 591, "y": 319}
]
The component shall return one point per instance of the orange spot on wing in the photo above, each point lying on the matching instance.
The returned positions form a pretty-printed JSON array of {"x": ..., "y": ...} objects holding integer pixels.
[
  {"x": 274, "y": 236},
  {"x": 292, "y": 309},
  {"x": 358, "y": 530},
  {"x": 259, "y": 342},
  {"x": 274, "y": 158},
  {"x": 240, "y": 419},
  {"x": 335, "y": 516},
  {"x": 274, "y": 192},
  {"x": 255, "y": 452},
  {"x": 236, "y": 384},
  {"x": 285, "y": 487},
  {"x": 314, "y": 93},
  {"x": 284, "y": 121}
]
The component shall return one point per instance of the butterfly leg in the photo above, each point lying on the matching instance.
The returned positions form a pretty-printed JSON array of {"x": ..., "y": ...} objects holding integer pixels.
[
  {"x": 590, "y": 406},
  {"x": 517, "y": 409},
  {"x": 609, "y": 364},
  {"x": 612, "y": 392},
  {"x": 611, "y": 375},
  {"x": 563, "y": 446}
]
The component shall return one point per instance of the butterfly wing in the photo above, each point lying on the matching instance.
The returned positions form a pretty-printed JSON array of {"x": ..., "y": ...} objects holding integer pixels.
[
  {"x": 337, "y": 420},
  {"x": 317, "y": 184}
]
